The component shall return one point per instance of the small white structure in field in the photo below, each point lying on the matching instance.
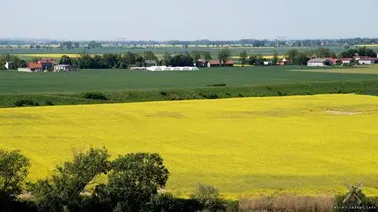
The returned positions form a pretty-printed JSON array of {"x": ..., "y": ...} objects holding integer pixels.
[
  {"x": 268, "y": 63},
  {"x": 367, "y": 61},
  {"x": 60, "y": 68},
  {"x": 25, "y": 70},
  {"x": 319, "y": 62},
  {"x": 166, "y": 68}
]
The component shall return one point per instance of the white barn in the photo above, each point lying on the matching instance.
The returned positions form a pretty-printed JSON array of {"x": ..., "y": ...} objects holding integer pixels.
[
  {"x": 367, "y": 61},
  {"x": 319, "y": 62}
]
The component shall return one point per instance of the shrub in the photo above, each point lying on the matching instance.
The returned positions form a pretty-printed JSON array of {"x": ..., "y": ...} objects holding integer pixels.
[
  {"x": 209, "y": 96},
  {"x": 49, "y": 103},
  {"x": 367, "y": 204},
  {"x": 95, "y": 96},
  {"x": 217, "y": 85},
  {"x": 209, "y": 198},
  {"x": 25, "y": 102},
  {"x": 163, "y": 93}
]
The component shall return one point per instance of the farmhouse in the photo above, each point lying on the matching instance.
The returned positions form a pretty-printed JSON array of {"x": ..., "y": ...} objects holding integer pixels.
[
  {"x": 367, "y": 61},
  {"x": 216, "y": 63},
  {"x": 61, "y": 68},
  {"x": 319, "y": 62},
  {"x": 335, "y": 61},
  {"x": 35, "y": 66}
]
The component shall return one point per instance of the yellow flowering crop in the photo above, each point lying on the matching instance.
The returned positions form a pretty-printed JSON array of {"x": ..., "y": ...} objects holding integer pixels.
[{"x": 302, "y": 144}]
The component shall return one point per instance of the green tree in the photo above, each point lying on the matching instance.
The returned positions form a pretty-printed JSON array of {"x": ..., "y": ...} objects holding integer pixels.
[
  {"x": 14, "y": 169},
  {"x": 63, "y": 191},
  {"x": 243, "y": 57},
  {"x": 167, "y": 59},
  {"x": 252, "y": 60},
  {"x": 65, "y": 60},
  {"x": 292, "y": 54},
  {"x": 275, "y": 58},
  {"x": 149, "y": 55},
  {"x": 224, "y": 55},
  {"x": 109, "y": 60},
  {"x": 322, "y": 52},
  {"x": 196, "y": 55},
  {"x": 209, "y": 197},
  {"x": 134, "y": 181},
  {"x": 301, "y": 59},
  {"x": 206, "y": 55}
]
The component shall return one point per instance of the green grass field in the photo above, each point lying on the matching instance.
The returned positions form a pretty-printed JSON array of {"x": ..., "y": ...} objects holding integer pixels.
[{"x": 117, "y": 80}]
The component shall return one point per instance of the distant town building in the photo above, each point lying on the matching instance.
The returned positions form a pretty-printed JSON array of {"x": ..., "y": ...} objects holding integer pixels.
[
  {"x": 319, "y": 62},
  {"x": 216, "y": 63}
]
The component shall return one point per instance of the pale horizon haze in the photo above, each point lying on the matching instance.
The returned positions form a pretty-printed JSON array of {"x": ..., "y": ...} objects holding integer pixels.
[{"x": 188, "y": 20}]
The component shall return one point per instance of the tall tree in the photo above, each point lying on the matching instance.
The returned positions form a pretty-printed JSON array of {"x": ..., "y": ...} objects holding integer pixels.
[
  {"x": 196, "y": 55},
  {"x": 63, "y": 191},
  {"x": 206, "y": 55},
  {"x": 167, "y": 59},
  {"x": 243, "y": 57},
  {"x": 275, "y": 58},
  {"x": 224, "y": 55},
  {"x": 292, "y": 54},
  {"x": 65, "y": 60},
  {"x": 133, "y": 182}
]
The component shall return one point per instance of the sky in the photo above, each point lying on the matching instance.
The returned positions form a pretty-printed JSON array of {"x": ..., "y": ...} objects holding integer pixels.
[{"x": 188, "y": 20}]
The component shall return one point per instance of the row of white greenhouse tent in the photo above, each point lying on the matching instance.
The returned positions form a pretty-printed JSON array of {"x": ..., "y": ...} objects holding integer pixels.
[{"x": 166, "y": 68}]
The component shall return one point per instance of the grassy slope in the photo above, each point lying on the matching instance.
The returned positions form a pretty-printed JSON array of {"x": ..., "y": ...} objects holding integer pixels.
[
  {"x": 129, "y": 86},
  {"x": 305, "y": 144},
  {"x": 116, "y": 80}
]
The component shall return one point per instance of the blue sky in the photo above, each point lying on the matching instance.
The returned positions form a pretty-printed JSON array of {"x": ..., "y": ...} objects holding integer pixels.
[{"x": 188, "y": 20}]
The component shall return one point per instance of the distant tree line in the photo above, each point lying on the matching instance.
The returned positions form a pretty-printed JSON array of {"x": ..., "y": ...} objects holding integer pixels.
[
  {"x": 135, "y": 182},
  {"x": 208, "y": 43},
  {"x": 129, "y": 59}
]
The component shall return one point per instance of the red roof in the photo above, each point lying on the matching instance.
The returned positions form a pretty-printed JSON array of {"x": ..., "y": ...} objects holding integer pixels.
[
  {"x": 217, "y": 62},
  {"x": 334, "y": 60},
  {"x": 346, "y": 59},
  {"x": 52, "y": 61},
  {"x": 33, "y": 65}
]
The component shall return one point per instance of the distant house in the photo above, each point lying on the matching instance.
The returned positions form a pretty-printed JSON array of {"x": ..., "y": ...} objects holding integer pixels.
[
  {"x": 335, "y": 61},
  {"x": 35, "y": 66},
  {"x": 347, "y": 60},
  {"x": 200, "y": 63},
  {"x": 367, "y": 61},
  {"x": 319, "y": 62},
  {"x": 216, "y": 63},
  {"x": 285, "y": 61},
  {"x": 62, "y": 68},
  {"x": 48, "y": 64}
]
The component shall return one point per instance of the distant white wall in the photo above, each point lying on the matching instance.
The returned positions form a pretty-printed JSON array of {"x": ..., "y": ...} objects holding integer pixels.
[
  {"x": 24, "y": 69},
  {"x": 315, "y": 64}
]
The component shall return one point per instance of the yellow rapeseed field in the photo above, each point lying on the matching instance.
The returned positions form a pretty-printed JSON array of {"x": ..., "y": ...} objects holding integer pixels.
[
  {"x": 47, "y": 55},
  {"x": 302, "y": 144}
]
